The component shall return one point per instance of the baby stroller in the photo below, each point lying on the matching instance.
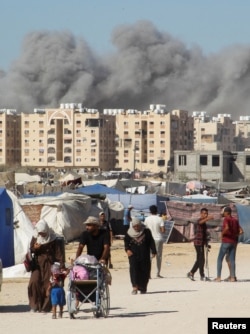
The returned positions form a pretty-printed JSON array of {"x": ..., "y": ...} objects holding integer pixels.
[{"x": 93, "y": 289}]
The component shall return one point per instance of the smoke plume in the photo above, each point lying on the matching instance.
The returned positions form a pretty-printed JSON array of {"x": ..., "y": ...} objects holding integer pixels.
[{"x": 148, "y": 66}]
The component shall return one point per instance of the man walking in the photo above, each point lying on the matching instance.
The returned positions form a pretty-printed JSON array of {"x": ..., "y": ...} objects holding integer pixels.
[{"x": 157, "y": 227}]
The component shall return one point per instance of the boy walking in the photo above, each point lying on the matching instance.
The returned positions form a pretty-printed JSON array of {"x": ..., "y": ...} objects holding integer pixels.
[{"x": 200, "y": 240}]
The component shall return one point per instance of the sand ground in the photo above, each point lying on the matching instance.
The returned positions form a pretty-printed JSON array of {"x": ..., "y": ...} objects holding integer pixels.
[{"x": 173, "y": 304}]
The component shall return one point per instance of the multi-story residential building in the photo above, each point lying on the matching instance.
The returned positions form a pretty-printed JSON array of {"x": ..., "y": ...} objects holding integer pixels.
[
  {"x": 242, "y": 133},
  {"x": 10, "y": 138},
  {"x": 75, "y": 137},
  {"x": 216, "y": 133},
  {"x": 69, "y": 136},
  {"x": 146, "y": 140}
]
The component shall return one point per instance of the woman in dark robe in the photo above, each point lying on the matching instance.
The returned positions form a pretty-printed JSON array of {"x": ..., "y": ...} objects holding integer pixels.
[
  {"x": 139, "y": 246},
  {"x": 46, "y": 250}
]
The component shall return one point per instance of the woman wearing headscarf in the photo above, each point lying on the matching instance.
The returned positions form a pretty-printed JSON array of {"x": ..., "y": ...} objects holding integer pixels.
[
  {"x": 139, "y": 246},
  {"x": 46, "y": 250}
]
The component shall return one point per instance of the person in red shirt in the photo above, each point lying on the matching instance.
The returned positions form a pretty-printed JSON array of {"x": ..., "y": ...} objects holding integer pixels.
[{"x": 230, "y": 232}]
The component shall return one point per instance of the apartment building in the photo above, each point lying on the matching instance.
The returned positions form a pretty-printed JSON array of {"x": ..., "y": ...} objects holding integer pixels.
[
  {"x": 213, "y": 133},
  {"x": 10, "y": 138},
  {"x": 69, "y": 136},
  {"x": 242, "y": 133},
  {"x": 75, "y": 137},
  {"x": 146, "y": 140}
]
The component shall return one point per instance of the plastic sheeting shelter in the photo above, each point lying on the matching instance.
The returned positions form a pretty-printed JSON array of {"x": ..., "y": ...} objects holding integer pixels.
[
  {"x": 243, "y": 215},
  {"x": 6, "y": 229},
  {"x": 98, "y": 189}
]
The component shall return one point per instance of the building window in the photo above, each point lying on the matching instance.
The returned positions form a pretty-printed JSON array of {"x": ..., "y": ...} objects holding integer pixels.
[
  {"x": 248, "y": 160},
  {"x": 151, "y": 161},
  {"x": 215, "y": 160},
  {"x": 161, "y": 162},
  {"x": 203, "y": 160},
  {"x": 182, "y": 160}
]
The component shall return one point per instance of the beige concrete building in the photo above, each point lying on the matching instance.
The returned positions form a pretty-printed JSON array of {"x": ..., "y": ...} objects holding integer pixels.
[
  {"x": 146, "y": 140},
  {"x": 221, "y": 166},
  {"x": 67, "y": 137},
  {"x": 75, "y": 137},
  {"x": 10, "y": 138},
  {"x": 242, "y": 133},
  {"x": 213, "y": 133},
  {"x": 203, "y": 165}
]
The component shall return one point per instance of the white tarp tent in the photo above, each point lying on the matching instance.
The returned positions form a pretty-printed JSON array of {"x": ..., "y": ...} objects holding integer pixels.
[
  {"x": 22, "y": 178},
  {"x": 65, "y": 214}
]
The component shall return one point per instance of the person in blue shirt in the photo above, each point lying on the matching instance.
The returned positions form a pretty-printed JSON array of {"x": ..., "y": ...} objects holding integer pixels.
[{"x": 127, "y": 218}]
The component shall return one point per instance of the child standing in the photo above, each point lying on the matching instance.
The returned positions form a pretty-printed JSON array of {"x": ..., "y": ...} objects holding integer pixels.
[{"x": 56, "y": 290}]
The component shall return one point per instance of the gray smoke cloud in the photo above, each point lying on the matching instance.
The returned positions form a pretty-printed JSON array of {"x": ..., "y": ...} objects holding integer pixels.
[{"x": 148, "y": 66}]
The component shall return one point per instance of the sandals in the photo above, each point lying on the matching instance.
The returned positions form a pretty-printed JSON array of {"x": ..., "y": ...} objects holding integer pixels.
[
  {"x": 230, "y": 279},
  {"x": 217, "y": 279},
  {"x": 53, "y": 316},
  {"x": 134, "y": 292}
]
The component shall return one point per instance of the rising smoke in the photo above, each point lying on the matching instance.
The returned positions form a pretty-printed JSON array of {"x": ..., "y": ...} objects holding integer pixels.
[{"x": 147, "y": 67}]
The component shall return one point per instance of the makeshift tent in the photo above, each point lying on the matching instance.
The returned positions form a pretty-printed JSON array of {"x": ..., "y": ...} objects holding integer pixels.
[
  {"x": 21, "y": 178},
  {"x": 23, "y": 230},
  {"x": 243, "y": 215},
  {"x": 6, "y": 229},
  {"x": 194, "y": 185},
  {"x": 139, "y": 202},
  {"x": 131, "y": 186},
  {"x": 97, "y": 189},
  {"x": 186, "y": 215},
  {"x": 70, "y": 178}
]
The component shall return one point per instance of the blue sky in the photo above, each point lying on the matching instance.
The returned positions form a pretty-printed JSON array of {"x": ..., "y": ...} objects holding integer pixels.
[{"x": 210, "y": 24}]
